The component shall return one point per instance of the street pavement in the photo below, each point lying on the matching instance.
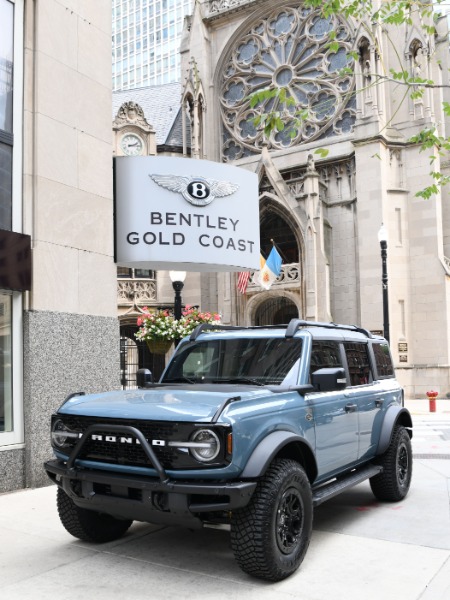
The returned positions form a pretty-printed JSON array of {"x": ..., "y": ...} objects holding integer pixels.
[{"x": 360, "y": 548}]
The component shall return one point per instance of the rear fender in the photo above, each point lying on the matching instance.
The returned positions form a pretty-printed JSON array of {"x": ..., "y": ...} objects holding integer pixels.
[{"x": 394, "y": 415}]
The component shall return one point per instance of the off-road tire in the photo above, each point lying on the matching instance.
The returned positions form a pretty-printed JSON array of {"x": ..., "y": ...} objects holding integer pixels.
[
  {"x": 270, "y": 536},
  {"x": 89, "y": 525},
  {"x": 392, "y": 484}
]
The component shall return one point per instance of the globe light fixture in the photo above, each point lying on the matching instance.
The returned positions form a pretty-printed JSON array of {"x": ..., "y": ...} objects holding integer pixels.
[{"x": 177, "y": 278}]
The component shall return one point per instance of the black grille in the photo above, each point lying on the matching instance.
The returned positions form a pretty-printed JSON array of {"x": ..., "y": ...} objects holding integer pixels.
[{"x": 125, "y": 450}]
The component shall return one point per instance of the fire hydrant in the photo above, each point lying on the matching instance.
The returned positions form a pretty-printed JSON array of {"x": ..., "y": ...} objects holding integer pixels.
[{"x": 432, "y": 395}]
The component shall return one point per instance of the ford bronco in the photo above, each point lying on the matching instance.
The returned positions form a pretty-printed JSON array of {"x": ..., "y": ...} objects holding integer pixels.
[{"x": 249, "y": 428}]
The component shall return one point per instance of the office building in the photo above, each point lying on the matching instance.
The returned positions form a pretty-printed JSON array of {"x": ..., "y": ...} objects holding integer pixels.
[
  {"x": 146, "y": 38},
  {"x": 59, "y": 331}
]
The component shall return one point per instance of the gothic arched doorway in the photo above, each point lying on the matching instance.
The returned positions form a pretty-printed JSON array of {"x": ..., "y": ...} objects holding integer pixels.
[
  {"x": 275, "y": 227},
  {"x": 276, "y": 311}
]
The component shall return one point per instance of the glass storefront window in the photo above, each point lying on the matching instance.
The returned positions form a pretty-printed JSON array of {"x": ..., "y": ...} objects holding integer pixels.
[
  {"x": 6, "y": 111},
  {"x": 11, "y": 306},
  {"x": 6, "y": 65},
  {"x": 6, "y": 413}
]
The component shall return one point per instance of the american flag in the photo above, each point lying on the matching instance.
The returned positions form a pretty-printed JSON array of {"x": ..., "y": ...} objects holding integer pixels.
[{"x": 243, "y": 280}]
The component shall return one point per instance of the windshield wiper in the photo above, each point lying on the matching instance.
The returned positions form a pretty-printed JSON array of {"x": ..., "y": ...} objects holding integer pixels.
[
  {"x": 183, "y": 379},
  {"x": 247, "y": 380}
]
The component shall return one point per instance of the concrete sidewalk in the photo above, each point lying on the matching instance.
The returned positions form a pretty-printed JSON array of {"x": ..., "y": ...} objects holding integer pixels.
[
  {"x": 421, "y": 406},
  {"x": 360, "y": 548}
]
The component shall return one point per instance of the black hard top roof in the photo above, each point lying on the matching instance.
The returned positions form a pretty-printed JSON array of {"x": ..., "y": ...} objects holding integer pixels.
[{"x": 290, "y": 329}]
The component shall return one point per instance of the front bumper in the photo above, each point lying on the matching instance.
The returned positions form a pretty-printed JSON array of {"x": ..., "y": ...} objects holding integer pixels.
[{"x": 159, "y": 501}]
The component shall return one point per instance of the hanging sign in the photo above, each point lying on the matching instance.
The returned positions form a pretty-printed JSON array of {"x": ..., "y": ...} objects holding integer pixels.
[{"x": 185, "y": 214}]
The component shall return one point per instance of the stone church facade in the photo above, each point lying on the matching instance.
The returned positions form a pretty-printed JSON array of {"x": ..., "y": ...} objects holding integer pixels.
[{"x": 324, "y": 211}]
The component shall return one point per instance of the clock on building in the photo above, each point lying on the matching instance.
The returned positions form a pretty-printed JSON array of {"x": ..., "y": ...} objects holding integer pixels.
[{"x": 132, "y": 144}]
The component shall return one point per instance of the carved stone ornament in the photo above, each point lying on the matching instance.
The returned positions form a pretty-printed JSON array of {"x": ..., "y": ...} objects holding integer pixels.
[
  {"x": 130, "y": 113},
  {"x": 289, "y": 49}
]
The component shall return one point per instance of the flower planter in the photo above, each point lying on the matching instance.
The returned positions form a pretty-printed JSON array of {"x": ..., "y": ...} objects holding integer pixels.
[
  {"x": 159, "y": 346},
  {"x": 158, "y": 325}
]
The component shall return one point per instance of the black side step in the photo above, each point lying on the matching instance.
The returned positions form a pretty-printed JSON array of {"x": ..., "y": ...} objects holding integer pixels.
[{"x": 335, "y": 487}]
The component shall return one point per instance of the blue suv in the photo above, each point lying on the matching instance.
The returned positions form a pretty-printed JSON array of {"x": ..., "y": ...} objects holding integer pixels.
[{"x": 248, "y": 427}]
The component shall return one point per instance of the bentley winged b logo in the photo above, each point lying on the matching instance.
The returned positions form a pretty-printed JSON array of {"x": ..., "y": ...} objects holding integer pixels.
[{"x": 196, "y": 190}]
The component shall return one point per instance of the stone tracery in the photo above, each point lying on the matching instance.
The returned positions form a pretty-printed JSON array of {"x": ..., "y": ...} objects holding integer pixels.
[{"x": 288, "y": 48}]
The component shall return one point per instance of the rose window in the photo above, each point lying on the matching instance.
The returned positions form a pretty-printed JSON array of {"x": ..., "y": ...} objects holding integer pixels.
[{"x": 289, "y": 49}]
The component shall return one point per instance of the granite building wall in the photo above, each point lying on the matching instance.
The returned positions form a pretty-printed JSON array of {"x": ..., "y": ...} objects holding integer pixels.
[{"x": 68, "y": 326}]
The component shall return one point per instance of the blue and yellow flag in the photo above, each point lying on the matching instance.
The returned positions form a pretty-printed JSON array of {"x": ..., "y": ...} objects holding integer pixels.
[{"x": 270, "y": 269}]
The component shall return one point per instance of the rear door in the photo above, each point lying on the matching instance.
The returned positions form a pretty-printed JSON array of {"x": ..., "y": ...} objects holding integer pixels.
[{"x": 364, "y": 395}]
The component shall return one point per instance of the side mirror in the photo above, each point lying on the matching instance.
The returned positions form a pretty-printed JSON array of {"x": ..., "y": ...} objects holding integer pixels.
[
  {"x": 329, "y": 380},
  {"x": 144, "y": 378}
]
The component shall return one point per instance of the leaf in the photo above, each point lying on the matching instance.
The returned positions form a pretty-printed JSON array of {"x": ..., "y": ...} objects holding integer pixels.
[
  {"x": 322, "y": 152},
  {"x": 333, "y": 47},
  {"x": 429, "y": 191}
]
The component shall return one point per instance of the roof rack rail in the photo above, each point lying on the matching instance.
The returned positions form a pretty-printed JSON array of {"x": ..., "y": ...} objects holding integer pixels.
[
  {"x": 291, "y": 328},
  {"x": 296, "y": 324},
  {"x": 211, "y": 327}
]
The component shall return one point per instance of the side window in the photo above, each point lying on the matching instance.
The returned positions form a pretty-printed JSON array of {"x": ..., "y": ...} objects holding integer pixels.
[
  {"x": 383, "y": 360},
  {"x": 324, "y": 355},
  {"x": 358, "y": 363}
]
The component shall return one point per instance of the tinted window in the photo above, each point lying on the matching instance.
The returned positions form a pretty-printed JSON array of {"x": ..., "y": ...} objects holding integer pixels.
[
  {"x": 383, "y": 360},
  {"x": 324, "y": 355},
  {"x": 358, "y": 363},
  {"x": 265, "y": 361}
]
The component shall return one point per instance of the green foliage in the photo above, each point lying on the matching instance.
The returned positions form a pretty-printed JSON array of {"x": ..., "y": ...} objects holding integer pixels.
[{"x": 322, "y": 152}]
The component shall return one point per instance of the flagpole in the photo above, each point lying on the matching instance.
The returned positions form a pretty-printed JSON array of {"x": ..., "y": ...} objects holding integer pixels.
[{"x": 278, "y": 249}]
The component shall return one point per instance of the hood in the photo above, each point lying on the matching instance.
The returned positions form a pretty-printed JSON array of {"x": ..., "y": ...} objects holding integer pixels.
[{"x": 170, "y": 403}]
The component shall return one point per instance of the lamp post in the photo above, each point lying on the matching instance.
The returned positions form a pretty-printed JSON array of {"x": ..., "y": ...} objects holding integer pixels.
[
  {"x": 383, "y": 238},
  {"x": 177, "y": 278}
]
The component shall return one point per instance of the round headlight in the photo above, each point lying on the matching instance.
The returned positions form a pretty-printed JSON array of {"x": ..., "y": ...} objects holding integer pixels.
[
  {"x": 205, "y": 445},
  {"x": 62, "y": 435}
]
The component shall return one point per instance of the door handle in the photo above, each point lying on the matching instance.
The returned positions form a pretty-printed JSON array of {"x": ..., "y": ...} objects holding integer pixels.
[
  {"x": 379, "y": 403},
  {"x": 350, "y": 408}
]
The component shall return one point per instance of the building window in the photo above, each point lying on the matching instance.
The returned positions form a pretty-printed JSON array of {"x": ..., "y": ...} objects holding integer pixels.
[
  {"x": 6, "y": 111},
  {"x": 126, "y": 273},
  {"x": 258, "y": 60},
  {"x": 6, "y": 412},
  {"x": 11, "y": 117}
]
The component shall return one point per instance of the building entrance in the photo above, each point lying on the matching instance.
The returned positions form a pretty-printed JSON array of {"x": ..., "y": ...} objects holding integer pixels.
[{"x": 276, "y": 311}]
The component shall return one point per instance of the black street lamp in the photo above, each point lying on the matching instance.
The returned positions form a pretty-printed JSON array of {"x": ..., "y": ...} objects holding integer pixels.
[
  {"x": 383, "y": 238},
  {"x": 177, "y": 278}
]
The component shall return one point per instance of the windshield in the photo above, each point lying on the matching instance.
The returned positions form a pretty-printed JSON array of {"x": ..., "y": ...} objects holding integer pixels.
[{"x": 255, "y": 361}]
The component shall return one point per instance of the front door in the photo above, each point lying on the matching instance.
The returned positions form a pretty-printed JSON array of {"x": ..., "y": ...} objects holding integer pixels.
[{"x": 335, "y": 417}]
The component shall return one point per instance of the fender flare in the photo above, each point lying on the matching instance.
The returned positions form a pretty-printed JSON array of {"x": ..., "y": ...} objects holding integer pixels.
[
  {"x": 392, "y": 417},
  {"x": 267, "y": 449}
]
